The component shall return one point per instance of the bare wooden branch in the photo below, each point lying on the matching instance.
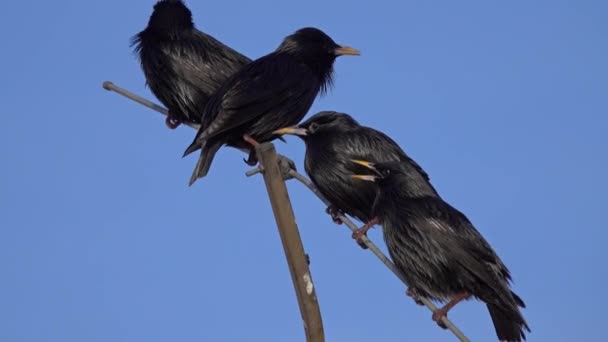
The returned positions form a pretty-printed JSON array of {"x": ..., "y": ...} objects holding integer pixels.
[{"x": 292, "y": 244}]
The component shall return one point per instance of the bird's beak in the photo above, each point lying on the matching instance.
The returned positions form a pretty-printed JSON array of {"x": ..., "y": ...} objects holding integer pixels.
[
  {"x": 347, "y": 50},
  {"x": 368, "y": 178},
  {"x": 369, "y": 166},
  {"x": 364, "y": 163},
  {"x": 293, "y": 130}
]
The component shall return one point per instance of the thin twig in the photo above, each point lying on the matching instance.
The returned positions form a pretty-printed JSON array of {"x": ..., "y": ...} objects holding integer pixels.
[
  {"x": 372, "y": 247},
  {"x": 107, "y": 85}
]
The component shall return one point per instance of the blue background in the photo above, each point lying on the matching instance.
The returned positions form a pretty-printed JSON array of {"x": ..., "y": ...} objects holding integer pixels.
[{"x": 503, "y": 103}]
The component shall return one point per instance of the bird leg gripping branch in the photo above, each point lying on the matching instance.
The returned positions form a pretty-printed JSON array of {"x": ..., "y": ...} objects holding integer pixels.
[
  {"x": 172, "y": 122},
  {"x": 359, "y": 233},
  {"x": 248, "y": 138},
  {"x": 335, "y": 214},
  {"x": 252, "y": 159},
  {"x": 285, "y": 164},
  {"x": 438, "y": 314}
]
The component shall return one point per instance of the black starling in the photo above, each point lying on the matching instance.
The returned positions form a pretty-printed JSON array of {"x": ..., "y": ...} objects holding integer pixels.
[
  {"x": 273, "y": 91},
  {"x": 439, "y": 252},
  {"x": 183, "y": 66},
  {"x": 332, "y": 139}
]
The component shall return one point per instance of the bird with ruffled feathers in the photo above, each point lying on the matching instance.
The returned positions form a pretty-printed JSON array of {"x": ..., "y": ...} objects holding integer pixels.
[
  {"x": 439, "y": 252},
  {"x": 182, "y": 65}
]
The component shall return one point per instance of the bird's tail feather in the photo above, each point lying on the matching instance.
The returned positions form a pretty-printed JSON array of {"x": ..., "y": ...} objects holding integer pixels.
[
  {"x": 193, "y": 147},
  {"x": 518, "y": 300},
  {"x": 508, "y": 321},
  {"x": 204, "y": 162}
]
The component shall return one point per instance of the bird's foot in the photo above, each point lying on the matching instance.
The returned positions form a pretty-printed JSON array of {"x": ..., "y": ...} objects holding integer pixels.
[
  {"x": 443, "y": 312},
  {"x": 411, "y": 293},
  {"x": 252, "y": 159},
  {"x": 172, "y": 122},
  {"x": 438, "y": 316},
  {"x": 286, "y": 165},
  {"x": 335, "y": 214},
  {"x": 361, "y": 232},
  {"x": 250, "y": 140}
]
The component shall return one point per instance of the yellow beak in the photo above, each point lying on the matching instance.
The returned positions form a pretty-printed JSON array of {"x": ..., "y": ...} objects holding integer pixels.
[
  {"x": 364, "y": 177},
  {"x": 293, "y": 130},
  {"x": 364, "y": 163},
  {"x": 347, "y": 50}
]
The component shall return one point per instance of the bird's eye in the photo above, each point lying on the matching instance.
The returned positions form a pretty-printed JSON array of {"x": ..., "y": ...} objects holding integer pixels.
[
  {"x": 313, "y": 127},
  {"x": 386, "y": 172}
]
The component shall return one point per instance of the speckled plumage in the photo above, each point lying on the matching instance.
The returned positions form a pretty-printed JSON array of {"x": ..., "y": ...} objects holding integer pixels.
[
  {"x": 441, "y": 254},
  {"x": 182, "y": 65}
]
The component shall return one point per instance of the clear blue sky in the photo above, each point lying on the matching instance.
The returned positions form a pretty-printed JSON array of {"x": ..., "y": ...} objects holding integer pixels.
[{"x": 504, "y": 104}]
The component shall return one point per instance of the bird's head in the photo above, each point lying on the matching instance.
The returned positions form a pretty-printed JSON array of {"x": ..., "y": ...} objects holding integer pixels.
[
  {"x": 381, "y": 171},
  {"x": 170, "y": 15},
  {"x": 312, "y": 43},
  {"x": 322, "y": 122},
  {"x": 316, "y": 49}
]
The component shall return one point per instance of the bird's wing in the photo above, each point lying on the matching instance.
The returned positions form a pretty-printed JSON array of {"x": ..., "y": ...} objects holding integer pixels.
[
  {"x": 261, "y": 86},
  {"x": 437, "y": 215},
  {"x": 222, "y": 51},
  {"x": 203, "y": 62},
  {"x": 451, "y": 229},
  {"x": 375, "y": 146},
  {"x": 381, "y": 139}
]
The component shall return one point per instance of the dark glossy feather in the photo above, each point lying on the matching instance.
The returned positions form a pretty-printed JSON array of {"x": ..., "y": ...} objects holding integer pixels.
[
  {"x": 271, "y": 92},
  {"x": 333, "y": 140},
  {"x": 441, "y": 254},
  {"x": 182, "y": 65},
  {"x": 260, "y": 89}
]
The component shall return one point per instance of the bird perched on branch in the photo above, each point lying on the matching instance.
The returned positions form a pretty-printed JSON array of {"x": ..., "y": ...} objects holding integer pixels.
[
  {"x": 332, "y": 140},
  {"x": 274, "y": 91},
  {"x": 439, "y": 252},
  {"x": 182, "y": 65}
]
